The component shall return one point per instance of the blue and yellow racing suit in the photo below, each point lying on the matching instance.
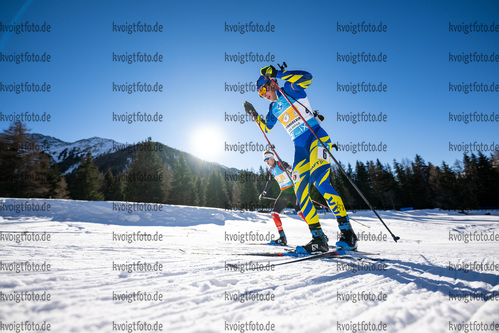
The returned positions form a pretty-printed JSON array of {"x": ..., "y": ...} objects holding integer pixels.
[{"x": 311, "y": 162}]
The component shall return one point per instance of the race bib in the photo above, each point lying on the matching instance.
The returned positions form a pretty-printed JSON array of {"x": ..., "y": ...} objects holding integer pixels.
[
  {"x": 296, "y": 176},
  {"x": 322, "y": 154}
]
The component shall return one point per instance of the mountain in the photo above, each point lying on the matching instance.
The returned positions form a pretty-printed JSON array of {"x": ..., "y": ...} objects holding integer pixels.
[
  {"x": 69, "y": 154},
  {"x": 117, "y": 156}
]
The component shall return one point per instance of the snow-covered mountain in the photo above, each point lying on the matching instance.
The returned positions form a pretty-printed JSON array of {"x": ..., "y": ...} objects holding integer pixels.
[
  {"x": 109, "y": 153},
  {"x": 61, "y": 151},
  {"x": 117, "y": 266}
]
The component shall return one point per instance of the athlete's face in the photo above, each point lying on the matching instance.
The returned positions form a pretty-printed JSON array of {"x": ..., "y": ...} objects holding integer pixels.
[
  {"x": 270, "y": 161},
  {"x": 270, "y": 93}
]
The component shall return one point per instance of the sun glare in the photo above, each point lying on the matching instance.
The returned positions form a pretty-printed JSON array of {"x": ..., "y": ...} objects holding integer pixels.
[{"x": 207, "y": 143}]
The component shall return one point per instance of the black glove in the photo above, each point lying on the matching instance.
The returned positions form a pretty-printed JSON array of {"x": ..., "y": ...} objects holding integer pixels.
[
  {"x": 248, "y": 107},
  {"x": 261, "y": 195},
  {"x": 269, "y": 71}
]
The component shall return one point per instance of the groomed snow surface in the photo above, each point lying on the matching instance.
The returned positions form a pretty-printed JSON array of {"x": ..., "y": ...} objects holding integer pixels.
[{"x": 116, "y": 267}]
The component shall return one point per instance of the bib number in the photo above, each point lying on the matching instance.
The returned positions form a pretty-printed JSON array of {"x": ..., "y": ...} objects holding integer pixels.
[{"x": 322, "y": 154}]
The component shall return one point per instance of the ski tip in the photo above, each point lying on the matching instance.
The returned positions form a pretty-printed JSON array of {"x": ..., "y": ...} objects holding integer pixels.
[{"x": 274, "y": 243}]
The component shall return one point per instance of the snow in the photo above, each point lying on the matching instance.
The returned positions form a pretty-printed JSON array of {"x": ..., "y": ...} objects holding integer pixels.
[{"x": 440, "y": 255}]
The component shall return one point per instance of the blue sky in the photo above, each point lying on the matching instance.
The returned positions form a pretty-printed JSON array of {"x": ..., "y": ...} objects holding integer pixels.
[{"x": 194, "y": 73}]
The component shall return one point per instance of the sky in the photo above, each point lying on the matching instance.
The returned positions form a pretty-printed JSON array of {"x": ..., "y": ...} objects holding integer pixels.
[{"x": 424, "y": 46}]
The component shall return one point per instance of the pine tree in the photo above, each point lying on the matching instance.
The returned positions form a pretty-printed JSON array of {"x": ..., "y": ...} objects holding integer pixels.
[
  {"x": 449, "y": 187},
  {"x": 444, "y": 185},
  {"x": 460, "y": 191},
  {"x": 494, "y": 161},
  {"x": 200, "y": 191},
  {"x": 403, "y": 190},
  {"x": 216, "y": 192},
  {"x": 108, "y": 181},
  {"x": 419, "y": 183},
  {"x": 376, "y": 180},
  {"x": 182, "y": 184},
  {"x": 434, "y": 181},
  {"x": 249, "y": 193},
  {"x": 195, "y": 191},
  {"x": 113, "y": 188},
  {"x": 363, "y": 182},
  {"x": 55, "y": 180},
  {"x": 24, "y": 169},
  {"x": 145, "y": 177},
  {"x": 87, "y": 182},
  {"x": 346, "y": 189},
  {"x": 468, "y": 180},
  {"x": 167, "y": 178},
  {"x": 235, "y": 200},
  {"x": 486, "y": 181},
  {"x": 261, "y": 179},
  {"x": 388, "y": 186},
  {"x": 228, "y": 185},
  {"x": 61, "y": 190}
]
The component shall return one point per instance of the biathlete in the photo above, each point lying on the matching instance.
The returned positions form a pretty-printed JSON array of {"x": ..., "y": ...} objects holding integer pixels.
[
  {"x": 311, "y": 162},
  {"x": 279, "y": 171}
]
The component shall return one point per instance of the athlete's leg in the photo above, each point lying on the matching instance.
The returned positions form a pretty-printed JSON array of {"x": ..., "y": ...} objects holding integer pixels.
[
  {"x": 296, "y": 205},
  {"x": 279, "y": 205},
  {"x": 320, "y": 171},
  {"x": 301, "y": 178}
]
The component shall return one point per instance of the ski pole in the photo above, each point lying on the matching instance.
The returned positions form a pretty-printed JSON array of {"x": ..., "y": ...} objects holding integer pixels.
[
  {"x": 395, "y": 238},
  {"x": 272, "y": 147},
  {"x": 350, "y": 217},
  {"x": 310, "y": 199},
  {"x": 319, "y": 204},
  {"x": 360, "y": 223},
  {"x": 324, "y": 207}
]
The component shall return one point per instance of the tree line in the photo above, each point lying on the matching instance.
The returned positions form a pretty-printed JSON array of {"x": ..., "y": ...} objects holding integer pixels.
[{"x": 27, "y": 172}]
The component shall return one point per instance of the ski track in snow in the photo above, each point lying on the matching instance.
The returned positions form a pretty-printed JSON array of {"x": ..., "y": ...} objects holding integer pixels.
[{"x": 196, "y": 286}]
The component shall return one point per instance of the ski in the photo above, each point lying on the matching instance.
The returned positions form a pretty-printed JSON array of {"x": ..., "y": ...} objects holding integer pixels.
[
  {"x": 271, "y": 243},
  {"x": 299, "y": 256},
  {"x": 334, "y": 254},
  {"x": 313, "y": 255}
]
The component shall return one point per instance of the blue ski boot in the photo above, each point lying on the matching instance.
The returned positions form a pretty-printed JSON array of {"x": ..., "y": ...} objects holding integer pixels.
[{"x": 348, "y": 238}]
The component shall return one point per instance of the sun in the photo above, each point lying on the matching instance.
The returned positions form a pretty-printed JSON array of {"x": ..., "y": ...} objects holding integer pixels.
[{"x": 207, "y": 143}]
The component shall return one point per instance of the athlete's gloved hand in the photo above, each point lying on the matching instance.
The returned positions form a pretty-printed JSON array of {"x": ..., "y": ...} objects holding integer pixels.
[
  {"x": 261, "y": 195},
  {"x": 269, "y": 71},
  {"x": 248, "y": 107}
]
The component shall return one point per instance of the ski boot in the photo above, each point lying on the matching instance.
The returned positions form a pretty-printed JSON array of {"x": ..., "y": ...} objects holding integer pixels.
[
  {"x": 318, "y": 243},
  {"x": 348, "y": 238},
  {"x": 281, "y": 240}
]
